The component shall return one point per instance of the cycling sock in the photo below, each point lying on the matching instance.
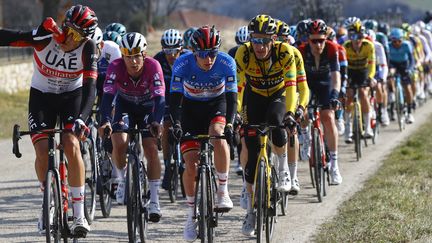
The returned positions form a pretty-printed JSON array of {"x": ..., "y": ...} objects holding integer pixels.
[
  {"x": 223, "y": 182},
  {"x": 154, "y": 187},
  {"x": 249, "y": 203},
  {"x": 41, "y": 186},
  {"x": 120, "y": 173},
  {"x": 293, "y": 169},
  {"x": 283, "y": 162},
  {"x": 190, "y": 201},
  {"x": 333, "y": 160},
  {"x": 367, "y": 117},
  {"x": 78, "y": 201}
]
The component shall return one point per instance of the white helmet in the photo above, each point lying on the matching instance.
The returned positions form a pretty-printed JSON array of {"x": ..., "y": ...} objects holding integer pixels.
[
  {"x": 171, "y": 38},
  {"x": 242, "y": 35},
  {"x": 371, "y": 34},
  {"x": 133, "y": 43},
  {"x": 97, "y": 36}
]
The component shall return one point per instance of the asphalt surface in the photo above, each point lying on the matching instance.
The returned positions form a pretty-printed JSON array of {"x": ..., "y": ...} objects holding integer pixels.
[{"x": 20, "y": 198}]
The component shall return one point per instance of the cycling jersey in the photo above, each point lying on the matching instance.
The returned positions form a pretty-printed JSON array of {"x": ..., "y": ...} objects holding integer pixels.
[
  {"x": 404, "y": 53},
  {"x": 383, "y": 39},
  {"x": 268, "y": 77},
  {"x": 302, "y": 86},
  {"x": 381, "y": 62},
  {"x": 110, "y": 51},
  {"x": 56, "y": 71},
  {"x": 363, "y": 59},
  {"x": 233, "y": 51},
  {"x": 197, "y": 84},
  {"x": 147, "y": 91}
]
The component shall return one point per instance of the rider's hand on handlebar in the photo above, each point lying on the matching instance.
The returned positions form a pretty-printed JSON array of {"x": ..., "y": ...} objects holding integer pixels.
[
  {"x": 80, "y": 129},
  {"x": 289, "y": 120},
  {"x": 156, "y": 129},
  {"x": 107, "y": 127}
]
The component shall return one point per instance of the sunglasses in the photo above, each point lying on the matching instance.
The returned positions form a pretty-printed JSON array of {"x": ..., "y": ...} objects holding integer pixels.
[
  {"x": 171, "y": 51},
  {"x": 76, "y": 36},
  {"x": 132, "y": 52},
  {"x": 206, "y": 53},
  {"x": 396, "y": 41},
  {"x": 316, "y": 41},
  {"x": 355, "y": 36},
  {"x": 261, "y": 41}
]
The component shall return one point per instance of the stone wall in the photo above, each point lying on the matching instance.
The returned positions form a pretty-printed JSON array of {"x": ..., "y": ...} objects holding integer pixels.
[{"x": 15, "y": 77}]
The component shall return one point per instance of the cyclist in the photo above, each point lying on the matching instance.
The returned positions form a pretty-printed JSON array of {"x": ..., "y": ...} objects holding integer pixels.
[
  {"x": 137, "y": 82},
  {"x": 112, "y": 36},
  {"x": 343, "y": 65},
  {"x": 402, "y": 59},
  {"x": 267, "y": 93},
  {"x": 241, "y": 37},
  {"x": 172, "y": 48},
  {"x": 204, "y": 85},
  {"x": 321, "y": 58},
  {"x": 116, "y": 27},
  {"x": 301, "y": 34},
  {"x": 283, "y": 33},
  {"x": 381, "y": 77},
  {"x": 63, "y": 84},
  {"x": 361, "y": 72}
]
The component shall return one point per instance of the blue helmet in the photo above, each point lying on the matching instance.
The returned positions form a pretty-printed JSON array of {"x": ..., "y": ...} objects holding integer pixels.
[
  {"x": 112, "y": 36},
  {"x": 116, "y": 27},
  {"x": 397, "y": 34}
]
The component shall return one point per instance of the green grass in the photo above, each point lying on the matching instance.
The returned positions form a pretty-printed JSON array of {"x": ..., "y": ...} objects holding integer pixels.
[
  {"x": 13, "y": 110},
  {"x": 395, "y": 205}
]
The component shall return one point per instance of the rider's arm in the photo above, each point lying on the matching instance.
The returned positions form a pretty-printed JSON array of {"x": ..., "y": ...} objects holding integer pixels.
[
  {"x": 157, "y": 89},
  {"x": 381, "y": 62},
  {"x": 371, "y": 60},
  {"x": 241, "y": 77},
  {"x": 89, "y": 59},
  {"x": 38, "y": 38},
  {"x": 302, "y": 85},
  {"x": 289, "y": 74},
  {"x": 109, "y": 92},
  {"x": 231, "y": 92},
  {"x": 333, "y": 55},
  {"x": 176, "y": 90},
  {"x": 343, "y": 65}
]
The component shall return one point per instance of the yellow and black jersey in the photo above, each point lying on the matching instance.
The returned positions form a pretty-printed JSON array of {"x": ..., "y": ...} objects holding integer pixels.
[
  {"x": 266, "y": 77},
  {"x": 363, "y": 59}
]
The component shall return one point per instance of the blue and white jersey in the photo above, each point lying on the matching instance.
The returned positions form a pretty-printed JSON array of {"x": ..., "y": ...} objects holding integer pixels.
[
  {"x": 197, "y": 84},
  {"x": 402, "y": 54},
  {"x": 109, "y": 53}
]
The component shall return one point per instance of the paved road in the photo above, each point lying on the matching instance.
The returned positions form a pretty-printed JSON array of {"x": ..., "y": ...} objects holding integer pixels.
[{"x": 20, "y": 199}]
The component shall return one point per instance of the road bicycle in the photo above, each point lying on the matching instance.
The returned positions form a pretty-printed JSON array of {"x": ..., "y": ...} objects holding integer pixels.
[
  {"x": 175, "y": 170},
  {"x": 399, "y": 99},
  {"x": 56, "y": 211}
]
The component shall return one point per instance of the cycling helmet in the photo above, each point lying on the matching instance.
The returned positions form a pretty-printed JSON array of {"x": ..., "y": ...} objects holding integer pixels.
[
  {"x": 302, "y": 27},
  {"x": 133, "y": 43},
  {"x": 171, "y": 38},
  {"x": 396, "y": 34},
  {"x": 371, "y": 34},
  {"x": 293, "y": 30},
  {"x": 242, "y": 35},
  {"x": 82, "y": 19},
  {"x": 205, "y": 38},
  {"x": 97, "y": 36},
  {"x": 384, "y": 28},
  {"x": 331, "y": 34},
  {"x": 371, "y": 24},
  {"x": 187, "y": 35},
  {"x": 317, "y": 27},
  {"x": 262, "y": 24},
  {"x": 356, "y": 27},
  {"x": 283, "y": 28},
  {"x": 406, "y": 28},
  {"x": 116, "y": 27},
  {"x": 112, "y": 36},
  {"x": 350, "y": 21}
]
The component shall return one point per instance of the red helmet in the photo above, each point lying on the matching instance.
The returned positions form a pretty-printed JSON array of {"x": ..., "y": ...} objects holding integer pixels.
[
  {"x": 205, "y": 38},
  {"x": 82, "y": 19},
  {"x": 317, "y": 27}
]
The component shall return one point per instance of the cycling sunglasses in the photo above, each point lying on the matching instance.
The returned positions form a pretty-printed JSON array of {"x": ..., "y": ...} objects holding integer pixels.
[
  {"x": 355, "y": 36},
  {"x": 316, "y": 41},
  {"x": 206, "y": 53},
  {"x": 396, "y": 41},
  {"x": 76, "y": 36},
  {"x": 261, "y": 41},
  {"x": 171, "y": 51},
  {"x": 132, "y": 52}
]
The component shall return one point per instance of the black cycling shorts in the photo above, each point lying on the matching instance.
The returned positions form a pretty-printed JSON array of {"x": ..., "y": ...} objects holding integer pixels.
[
  {"x": 129, "y": 115},
  {"x": 402, "y": 69},
  {"x": 258, "y": 109},
  {"x": 44, "y": 108},
  {"x": 358, "y": 78}
]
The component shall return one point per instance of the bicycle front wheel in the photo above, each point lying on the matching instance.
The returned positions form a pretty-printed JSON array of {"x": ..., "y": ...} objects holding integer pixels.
[
  {"x": 52, "y": 211},
  {"x": 89, "y": 157},
  {"x": 131, "y": 199},
  {"x": 260, "y": 200},
  {"x": 271, "y": 212},
  {"x": 174, "y": 181},
  {"x": 202, "y": 208},
  {"x": 357, "y": 131}
]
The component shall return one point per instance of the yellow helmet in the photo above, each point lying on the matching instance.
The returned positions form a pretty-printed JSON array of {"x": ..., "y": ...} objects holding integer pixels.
[{"x": 262, "y": 24}]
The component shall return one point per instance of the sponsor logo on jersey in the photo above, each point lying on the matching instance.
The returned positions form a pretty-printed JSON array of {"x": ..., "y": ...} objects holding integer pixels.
[{"x": 157, "y": 83}]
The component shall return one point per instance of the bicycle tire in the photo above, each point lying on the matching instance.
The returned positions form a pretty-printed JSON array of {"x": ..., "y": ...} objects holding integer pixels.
[
  {"x": 105, "y": 196},
  {"x": 90, "y": 181},
  {"x": 202, "y": 208},
  {"x": 271, "y": 213},
  {"x": 399, "y": 107},
  {"x": 322, "y": 161},
  {"x": 52, "y": 203},
  {"x": 357, "y": 131},
  {"x": 260, "y": 200},
  {"x": 173, "y": 187},
  {"x": 317, "y": 161},
  {"x": 142, "y": 188},
  {"x": 131, "y": 204},
  {"x": 282, "y": 197},
  {"x": 211, "y": 214}
]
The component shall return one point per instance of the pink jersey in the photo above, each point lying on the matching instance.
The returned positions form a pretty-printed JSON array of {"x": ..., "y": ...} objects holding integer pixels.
[{"x": 151, "y": 84}]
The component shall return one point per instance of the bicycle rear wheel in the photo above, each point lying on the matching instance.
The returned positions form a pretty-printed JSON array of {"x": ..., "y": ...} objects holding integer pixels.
[
  {"x": 52, "y": 211},
  {"x": 174, "y": 181},
  {"x": 89, "y": 157},
  {"x": 260, "y": 200},
  {"x": 104, "y": 185}
]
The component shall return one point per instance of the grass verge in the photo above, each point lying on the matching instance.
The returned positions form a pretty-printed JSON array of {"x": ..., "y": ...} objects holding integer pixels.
[
  {"x": 395, "y": 205},
  {"x": 13, "y": 110}
]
